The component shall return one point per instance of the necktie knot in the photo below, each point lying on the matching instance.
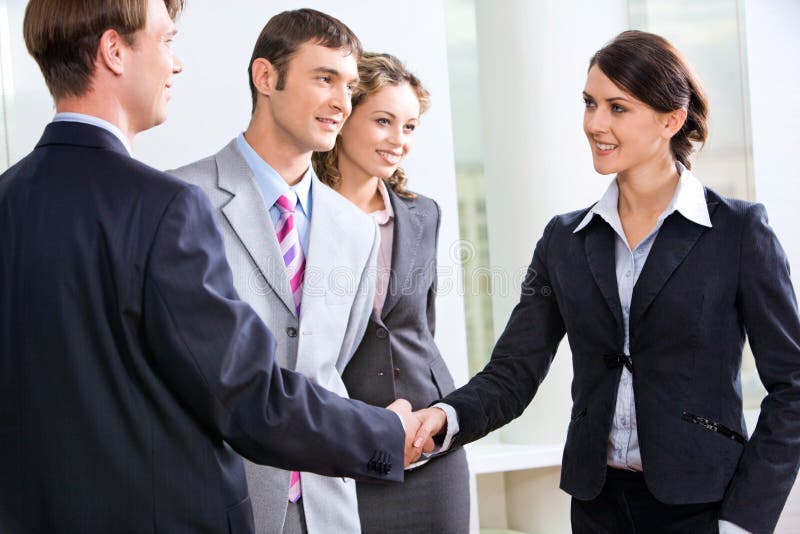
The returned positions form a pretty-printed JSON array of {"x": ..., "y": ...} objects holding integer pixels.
[{"x": 287, "y": 202}]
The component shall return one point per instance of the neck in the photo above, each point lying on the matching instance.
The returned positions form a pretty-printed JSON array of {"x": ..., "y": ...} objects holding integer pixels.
[
  {"x": 288, "y": 160},
  {"x": 363, "y": 191},
  {"x": 108, "y": 108},
  {"x": 649, "y": 189}
]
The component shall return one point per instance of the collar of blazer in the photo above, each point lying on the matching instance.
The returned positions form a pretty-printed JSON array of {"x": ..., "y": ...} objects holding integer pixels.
[
  {"x": 246, "y": 213},
  {"x": 676, "y": 238},
  {"x": 80, "y": 134},
  {"x": 408, "y": 232}
]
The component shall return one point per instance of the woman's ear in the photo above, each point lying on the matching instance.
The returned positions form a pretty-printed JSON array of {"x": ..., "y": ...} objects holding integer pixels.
[{"x": 673, "y": 122}]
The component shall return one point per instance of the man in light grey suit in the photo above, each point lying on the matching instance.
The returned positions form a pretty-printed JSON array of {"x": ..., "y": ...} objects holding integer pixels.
[{"x": 302, "y": 72}]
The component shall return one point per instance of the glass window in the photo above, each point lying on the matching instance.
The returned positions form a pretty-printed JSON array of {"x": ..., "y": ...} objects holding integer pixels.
[{"x": 473, "y": 249}]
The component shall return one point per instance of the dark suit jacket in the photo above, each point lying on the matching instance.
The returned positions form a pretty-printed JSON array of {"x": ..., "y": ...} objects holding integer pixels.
[
  {"x": 127, "y": 359},
  {"x": 700, "y": 292}
]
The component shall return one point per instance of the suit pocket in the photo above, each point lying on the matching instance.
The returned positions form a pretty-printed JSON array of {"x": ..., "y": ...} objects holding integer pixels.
[
  {"x": 240, "y": 517},
  {"x": 441, "y": 377},
  {"x": 714, "y": 426}
]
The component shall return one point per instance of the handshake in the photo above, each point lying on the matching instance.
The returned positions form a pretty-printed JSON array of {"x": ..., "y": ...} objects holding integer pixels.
[{"x": 420, "y": 426}]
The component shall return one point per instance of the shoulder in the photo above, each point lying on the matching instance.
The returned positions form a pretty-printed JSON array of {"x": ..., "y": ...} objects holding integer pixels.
[
  {"x": 195, "y": 172},
  {"x": 425, "y": 208},
  {"x": 567, "y": 222},
  {"x": 731, "y": 207},
  {"x": 204, "y": 172}
]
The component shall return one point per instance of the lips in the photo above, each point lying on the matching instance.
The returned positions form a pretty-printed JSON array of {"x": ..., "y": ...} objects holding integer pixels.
[
  {"x": 329, "y": 123},
  {"x": 392, "y": 158}
]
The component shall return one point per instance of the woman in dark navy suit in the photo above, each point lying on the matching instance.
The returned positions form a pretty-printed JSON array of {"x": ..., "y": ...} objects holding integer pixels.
[
  {"x": 397, "y": 356},
  {"x": 656, "y": 286}
]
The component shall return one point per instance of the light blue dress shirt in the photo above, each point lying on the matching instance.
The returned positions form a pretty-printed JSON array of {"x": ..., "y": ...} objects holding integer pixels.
[
  {"x": 94, "y": 121},
  {"x": 272, "y": 186}
]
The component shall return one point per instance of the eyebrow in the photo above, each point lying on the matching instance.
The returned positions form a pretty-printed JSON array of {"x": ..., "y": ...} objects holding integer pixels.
[
  {"x": 332, "y": 72},
  {"x": 587, "y": 95},
  {"x": 392, "y": 115}
]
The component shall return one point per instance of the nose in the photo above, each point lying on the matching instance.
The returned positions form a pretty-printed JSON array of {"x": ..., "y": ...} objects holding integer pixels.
[
  {"x": 595, "y": 121},
  {"x": 177, "y": 65},
  {"x": 340, "y": 99},
  {"x": 395, "y": 137}
]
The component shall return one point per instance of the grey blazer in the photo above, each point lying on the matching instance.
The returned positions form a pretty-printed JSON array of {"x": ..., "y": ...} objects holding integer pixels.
[
  {"x": 399, "y": 358},
  {"x": 338, "y": 294}
]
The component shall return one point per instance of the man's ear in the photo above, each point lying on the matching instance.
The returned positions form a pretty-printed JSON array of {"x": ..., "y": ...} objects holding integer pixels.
[
  {"x": 111, "y": 51},
  {"x": 673, "y": 122},
  {"x": 265, "y": 76}
]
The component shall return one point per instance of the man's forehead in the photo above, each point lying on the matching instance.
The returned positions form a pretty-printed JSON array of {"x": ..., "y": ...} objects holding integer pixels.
[{"x": 314, "y": 56}]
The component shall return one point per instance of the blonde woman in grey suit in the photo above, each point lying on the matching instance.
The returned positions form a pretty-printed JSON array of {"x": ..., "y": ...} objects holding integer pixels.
[{"x": 397, "y": 356}]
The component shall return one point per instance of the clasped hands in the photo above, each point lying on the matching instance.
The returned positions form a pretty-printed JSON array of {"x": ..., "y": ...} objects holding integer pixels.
[{"x": 421, "y": 426}]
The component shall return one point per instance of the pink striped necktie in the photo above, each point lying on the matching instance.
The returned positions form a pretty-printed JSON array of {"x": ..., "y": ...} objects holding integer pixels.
[
  {"x": 289, "y": 242},
  {"x": 292, "y": 252}
]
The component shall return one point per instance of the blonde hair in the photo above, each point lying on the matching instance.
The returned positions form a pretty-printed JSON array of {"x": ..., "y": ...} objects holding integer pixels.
[{"x": 375, "y": 71}]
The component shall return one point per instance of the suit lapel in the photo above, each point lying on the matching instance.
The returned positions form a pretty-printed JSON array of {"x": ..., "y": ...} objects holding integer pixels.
[
  {"x": 405, "y": 249},
  {"x": 674, "y": 241},
  {"x": 251, "y": 222},
  {"x": 600, "y": 247}
]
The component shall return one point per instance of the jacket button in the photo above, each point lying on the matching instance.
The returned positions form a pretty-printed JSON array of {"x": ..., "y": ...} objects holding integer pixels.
[
  {"x": 397, "y": 372},
  {"x": 291, "y": 331},
  {"x": 381, "y": 333}
]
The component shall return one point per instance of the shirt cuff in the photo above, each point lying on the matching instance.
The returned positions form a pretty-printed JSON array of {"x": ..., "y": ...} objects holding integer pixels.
[
  {"x": 452, "y": 426},
  {"x": 726, "y": 527}
]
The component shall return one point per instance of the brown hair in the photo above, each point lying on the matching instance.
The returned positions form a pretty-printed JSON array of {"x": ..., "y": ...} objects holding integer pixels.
[
  {"x": 287, "y": 31},
  {"x": 648, "y": 67},
  {"x": 375, "y": 71},
  {"x": 63, "y": 36}
]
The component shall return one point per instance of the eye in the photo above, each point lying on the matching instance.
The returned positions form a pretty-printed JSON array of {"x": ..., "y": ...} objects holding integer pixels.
[
  {"x": 590, "y": 104},
  {"x": 616, "y": 108},
  {"x": 324, "y": 79},
  {"x": 411, "y": 127},
  {"x": 351, "y": 87},
  {"x": 383, "y": 121}
]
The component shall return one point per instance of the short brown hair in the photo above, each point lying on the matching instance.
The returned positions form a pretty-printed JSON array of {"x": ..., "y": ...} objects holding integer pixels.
[
  {"x": 63, "y": 36},
  {"x": 375, "y": 71},
  {"x": 287, "y": 31},
  {"x": 648, "y": 67}
]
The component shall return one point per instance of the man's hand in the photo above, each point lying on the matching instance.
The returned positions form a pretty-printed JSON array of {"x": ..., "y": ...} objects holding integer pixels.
[{"x": 412, "y": 424}]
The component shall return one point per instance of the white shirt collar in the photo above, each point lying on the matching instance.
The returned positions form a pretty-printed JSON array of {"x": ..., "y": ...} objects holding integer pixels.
[
  {"x": 94, "y": 121},
  {"x": 386, "y": 214},
  {"x": 689, "y": 200}
]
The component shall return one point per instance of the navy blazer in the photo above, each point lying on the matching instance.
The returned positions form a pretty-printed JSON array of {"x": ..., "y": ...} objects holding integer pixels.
[
  {"x": 127, "y": 360},
  {"x": 701, "y": 290}
]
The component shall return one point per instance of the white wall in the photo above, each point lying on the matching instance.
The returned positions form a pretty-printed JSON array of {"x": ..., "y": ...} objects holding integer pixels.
[
  {"x": 211, "y": 105},
  {"x": 773, "y": 42}
]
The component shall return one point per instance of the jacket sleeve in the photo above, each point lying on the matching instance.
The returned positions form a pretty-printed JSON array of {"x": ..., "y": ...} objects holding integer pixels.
[
  {"x": 520, "y": 359},
  {"x": 218, "y": 358},
  {"x": 768, "y": 466}
]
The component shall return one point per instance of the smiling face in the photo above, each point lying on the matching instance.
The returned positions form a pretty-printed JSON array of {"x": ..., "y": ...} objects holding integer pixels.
[
  {"x": 150, "y": 65},
  {"x": 379, "y": 134},
  {"x": 308, "y": 112},
  {"x": 625, "y": 134}
]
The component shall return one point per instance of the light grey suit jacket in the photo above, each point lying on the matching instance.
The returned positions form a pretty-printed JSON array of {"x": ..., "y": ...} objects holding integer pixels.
[{"x": 338, "y": 295}]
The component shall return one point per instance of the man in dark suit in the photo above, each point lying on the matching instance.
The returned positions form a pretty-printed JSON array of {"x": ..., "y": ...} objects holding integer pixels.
[{"x": 129, "y": 367}]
